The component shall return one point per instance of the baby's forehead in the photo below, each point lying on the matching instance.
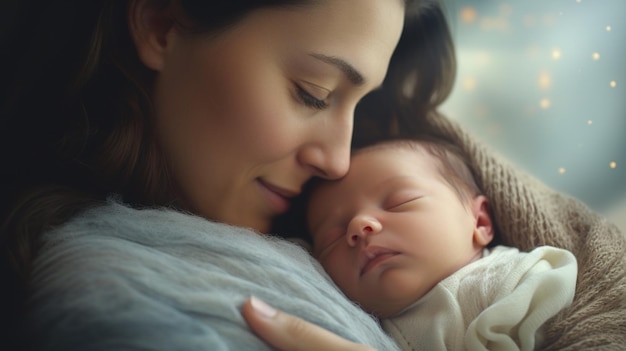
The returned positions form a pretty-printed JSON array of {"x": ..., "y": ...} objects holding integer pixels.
[
  {"x": 407, "y": 151},
  {"x": 407, "y": 144},
  {"x": 412, "y": 147},
  {"x": 401, "y": 159},
  {"x": 388, "y": 163}
]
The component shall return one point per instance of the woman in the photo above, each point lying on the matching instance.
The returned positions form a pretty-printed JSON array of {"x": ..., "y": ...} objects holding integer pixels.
[{"x": 222, "y": 112}]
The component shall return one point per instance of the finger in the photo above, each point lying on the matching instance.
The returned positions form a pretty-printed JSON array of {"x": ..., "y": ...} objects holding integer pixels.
[{"x": 288, "y": 333}]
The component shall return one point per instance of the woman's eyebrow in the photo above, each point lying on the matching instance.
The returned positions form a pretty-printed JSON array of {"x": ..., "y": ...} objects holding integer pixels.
[{"x": 353, "y": 75}]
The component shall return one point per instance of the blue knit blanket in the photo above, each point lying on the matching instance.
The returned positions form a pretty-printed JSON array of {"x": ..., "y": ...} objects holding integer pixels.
[{"x": 117, "y": 278}]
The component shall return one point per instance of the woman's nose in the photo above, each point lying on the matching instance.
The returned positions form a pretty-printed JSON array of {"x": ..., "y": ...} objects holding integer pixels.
[
  {"x": 361, "y": 227},
  {"x": 328, "y": 153}
]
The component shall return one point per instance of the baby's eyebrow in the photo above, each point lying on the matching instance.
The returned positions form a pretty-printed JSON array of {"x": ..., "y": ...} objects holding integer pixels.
[{"x": 353, "y": 75}]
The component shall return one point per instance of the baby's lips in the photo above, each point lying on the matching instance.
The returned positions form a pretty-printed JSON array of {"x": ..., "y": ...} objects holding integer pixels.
[{"x": 370, "y": 255}]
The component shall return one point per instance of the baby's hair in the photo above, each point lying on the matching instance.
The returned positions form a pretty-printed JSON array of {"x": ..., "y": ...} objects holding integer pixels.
[{"x": 452, "y": 162}]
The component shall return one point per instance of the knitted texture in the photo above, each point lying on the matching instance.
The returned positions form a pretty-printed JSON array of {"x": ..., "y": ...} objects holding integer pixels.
[{"x": 528, "y": 214}]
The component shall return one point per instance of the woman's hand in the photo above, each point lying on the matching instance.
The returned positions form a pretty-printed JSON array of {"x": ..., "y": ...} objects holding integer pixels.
[{"x": 288, "y": 333}]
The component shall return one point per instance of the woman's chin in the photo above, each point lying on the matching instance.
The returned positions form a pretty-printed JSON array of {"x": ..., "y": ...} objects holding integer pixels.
[{"x": 259, "y": 224}]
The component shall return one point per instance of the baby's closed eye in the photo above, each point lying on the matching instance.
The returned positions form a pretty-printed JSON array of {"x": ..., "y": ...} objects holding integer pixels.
[{"x": 398, "y": 201}]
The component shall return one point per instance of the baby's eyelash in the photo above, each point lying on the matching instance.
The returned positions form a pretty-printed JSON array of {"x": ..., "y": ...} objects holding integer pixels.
[
  {"x": 309, "y": 100},
  {"x": 401, "y": 203}
]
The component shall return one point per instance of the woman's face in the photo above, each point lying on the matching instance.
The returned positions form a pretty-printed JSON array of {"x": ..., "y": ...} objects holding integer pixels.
[{"x": 246, "y": 117}]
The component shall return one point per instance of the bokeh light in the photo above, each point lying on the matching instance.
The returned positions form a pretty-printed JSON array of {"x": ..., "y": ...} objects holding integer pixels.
[
  {"x": 545, "y": 81},
  {"x": 468, "y": 15},
  {"x": 540, "y": 82},
  {"x": 545, "y": 103}
]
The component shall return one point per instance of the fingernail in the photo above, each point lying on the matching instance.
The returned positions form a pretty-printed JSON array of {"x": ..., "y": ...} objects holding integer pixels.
[{"x": 262, "y": 308}]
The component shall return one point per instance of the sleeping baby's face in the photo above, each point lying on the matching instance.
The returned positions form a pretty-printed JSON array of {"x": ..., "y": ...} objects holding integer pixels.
[{"x": 391, "y": 229}]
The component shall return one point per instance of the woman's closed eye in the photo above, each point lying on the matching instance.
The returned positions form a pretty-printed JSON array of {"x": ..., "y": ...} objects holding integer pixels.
[{"x": 312, "y": 96}]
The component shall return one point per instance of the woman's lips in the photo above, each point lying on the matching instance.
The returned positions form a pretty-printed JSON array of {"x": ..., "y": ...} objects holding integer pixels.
[
  {"x": 372, "y": 256},
  {"x": 278, "y": 198}
]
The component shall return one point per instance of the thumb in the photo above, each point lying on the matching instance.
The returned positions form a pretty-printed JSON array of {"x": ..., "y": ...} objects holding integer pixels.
[{"x": 288, "y": 333}]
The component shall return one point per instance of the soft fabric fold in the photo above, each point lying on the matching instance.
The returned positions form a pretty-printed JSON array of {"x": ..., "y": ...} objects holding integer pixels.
[{"x": 117, "y": 278}]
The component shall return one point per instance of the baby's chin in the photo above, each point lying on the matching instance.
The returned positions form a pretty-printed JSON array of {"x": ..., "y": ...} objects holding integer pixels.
[
  {"x": 388, "y": 307},
  {"x": 386, "y": 311},
  {"x": 394, "y": 300}
]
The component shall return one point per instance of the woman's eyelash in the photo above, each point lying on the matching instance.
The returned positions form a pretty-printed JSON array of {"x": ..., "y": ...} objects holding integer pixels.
[{"x": 309, "y": 100}]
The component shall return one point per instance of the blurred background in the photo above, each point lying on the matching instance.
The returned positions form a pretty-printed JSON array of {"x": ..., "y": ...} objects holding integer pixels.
[{"x": 544, "y": 82}]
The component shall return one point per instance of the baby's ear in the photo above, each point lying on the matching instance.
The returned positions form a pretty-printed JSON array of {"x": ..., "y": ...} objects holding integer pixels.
[{"x": 483, "y": 232}]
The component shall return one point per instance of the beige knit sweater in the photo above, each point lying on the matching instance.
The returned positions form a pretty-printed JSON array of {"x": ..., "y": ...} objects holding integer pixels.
[{"x": 528, "y": 214}]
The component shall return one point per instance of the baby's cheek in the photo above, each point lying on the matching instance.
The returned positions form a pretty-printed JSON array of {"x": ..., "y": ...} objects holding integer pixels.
[{"x": 338, "y": 269}]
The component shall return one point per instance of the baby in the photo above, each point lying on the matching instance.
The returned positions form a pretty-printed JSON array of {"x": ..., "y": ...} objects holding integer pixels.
[{"x": 406, "y": 234}]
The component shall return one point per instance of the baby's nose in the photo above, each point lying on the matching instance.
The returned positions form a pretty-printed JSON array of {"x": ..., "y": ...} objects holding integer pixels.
[{"x": 361, "y": 227}]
